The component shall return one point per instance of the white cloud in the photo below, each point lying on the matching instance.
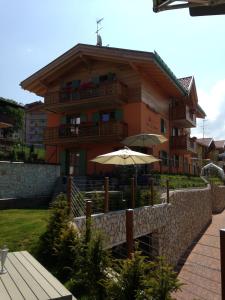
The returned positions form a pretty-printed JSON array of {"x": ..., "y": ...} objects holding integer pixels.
[{"x": 213, "y": 103}]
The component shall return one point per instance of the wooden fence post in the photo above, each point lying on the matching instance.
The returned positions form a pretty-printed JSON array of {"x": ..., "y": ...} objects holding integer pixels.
[
  {"x": 132, "y": 192},
  {"x": 88, "y": 220},
  {"x": 106, "y": 195},
  {"x": 129, "y": 232},
  {"x": 167, "y": 191},
  {"x": 222, "y": 261},
  {"x": 69, "y": 191}
]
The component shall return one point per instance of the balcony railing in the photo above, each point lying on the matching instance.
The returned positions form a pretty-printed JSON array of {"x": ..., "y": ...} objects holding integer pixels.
[
  {"x": 71, "y": 95},
  {"x": 85, "y": 132},
  {"x": 182, "y": 115},
  {"x": 183, "y": 143}
]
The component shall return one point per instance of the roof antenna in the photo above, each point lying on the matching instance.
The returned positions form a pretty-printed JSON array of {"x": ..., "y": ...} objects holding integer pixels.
[{"x": 99, "y": 39}]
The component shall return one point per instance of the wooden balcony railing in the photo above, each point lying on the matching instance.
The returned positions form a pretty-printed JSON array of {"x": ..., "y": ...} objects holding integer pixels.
[
  {"x": 183, "y": 143},
  {"x": 181, "y": 114},
  {"x": 85, "y": 132},
  {"x": 114, "y": 88}
]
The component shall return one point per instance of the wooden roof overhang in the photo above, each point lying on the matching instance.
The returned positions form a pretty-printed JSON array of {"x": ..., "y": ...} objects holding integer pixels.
[{"x": 147, "y": 62}]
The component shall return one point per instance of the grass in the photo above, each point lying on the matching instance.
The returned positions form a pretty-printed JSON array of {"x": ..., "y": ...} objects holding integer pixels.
[
  {"x": 21, "y": 228},
  {"x": 182, "y": 181}
]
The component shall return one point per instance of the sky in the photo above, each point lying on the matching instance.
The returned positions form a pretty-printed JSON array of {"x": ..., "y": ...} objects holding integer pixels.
[{"x": 34, "y": 32}]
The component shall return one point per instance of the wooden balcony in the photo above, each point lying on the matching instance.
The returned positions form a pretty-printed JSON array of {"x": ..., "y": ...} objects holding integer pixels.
[
  {"x": 86, "y": 133},
  {"x": 183, "y": 144},
  {"x": 92, "y": 96},
  {"x": 183, "y": 117}
]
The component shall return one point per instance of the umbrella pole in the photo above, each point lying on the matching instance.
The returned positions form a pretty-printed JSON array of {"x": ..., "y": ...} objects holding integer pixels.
[{"x": 132, "y": 192}]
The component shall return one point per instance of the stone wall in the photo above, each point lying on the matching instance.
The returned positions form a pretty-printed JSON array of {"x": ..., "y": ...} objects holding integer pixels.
[
  {"x": 177, "y": 224},
  {"x": 189, "y": 214},
  {"x": 218, "y": 198},
  {"x": 22, "y": 180}
]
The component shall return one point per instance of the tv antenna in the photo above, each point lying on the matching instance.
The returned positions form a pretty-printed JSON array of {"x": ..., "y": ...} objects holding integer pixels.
[
  {"x": 203, "y": 126},
  {"x": 99, "y": 39}
]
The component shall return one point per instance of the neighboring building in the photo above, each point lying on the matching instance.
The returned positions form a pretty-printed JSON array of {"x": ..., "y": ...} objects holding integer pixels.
[
  {"x": 35, "y": 123},
  {"x": 10, "y": 134},
  {"x": 220, "y": 146},
  {"x": 206, "y": 149},
  {"x": 96, "y": 96}
]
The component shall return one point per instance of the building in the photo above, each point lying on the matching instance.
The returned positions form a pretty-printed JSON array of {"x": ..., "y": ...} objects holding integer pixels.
[
  {"x": 35, "y": 123},
  {"x": 96, "y": 96},
  {"x": 11, "y": 124}
]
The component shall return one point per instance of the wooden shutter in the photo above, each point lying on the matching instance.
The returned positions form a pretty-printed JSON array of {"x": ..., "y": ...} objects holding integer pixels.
[
  {"x": 96, "y": 117},
  {"x": 119, "y": 115}
]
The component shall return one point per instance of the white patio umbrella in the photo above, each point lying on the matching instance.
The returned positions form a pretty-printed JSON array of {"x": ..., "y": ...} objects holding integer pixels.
[
  {"x": 125, "y": 157},
  {"x": 144, "y": 140}
]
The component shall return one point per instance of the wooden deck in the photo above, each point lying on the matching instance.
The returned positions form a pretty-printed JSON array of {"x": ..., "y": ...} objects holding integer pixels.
[{"x": 28, "y": 279}]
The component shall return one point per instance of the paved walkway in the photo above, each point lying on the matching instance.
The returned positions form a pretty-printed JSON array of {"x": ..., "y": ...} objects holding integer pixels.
[{"x": 201, "y": 271}]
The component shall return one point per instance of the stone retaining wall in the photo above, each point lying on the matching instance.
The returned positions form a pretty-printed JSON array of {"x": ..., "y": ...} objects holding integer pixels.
[
  {"x": 177, "y": 224},
  {"x": 218, "y": 198},
  {"x": 22, "y": 180},
  {"x": 189, "y": 214}
]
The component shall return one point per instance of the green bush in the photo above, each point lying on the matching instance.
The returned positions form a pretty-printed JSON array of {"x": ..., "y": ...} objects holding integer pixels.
[
  {"x": 49, "y": 242},
  {"x": 137, "y": 279}
]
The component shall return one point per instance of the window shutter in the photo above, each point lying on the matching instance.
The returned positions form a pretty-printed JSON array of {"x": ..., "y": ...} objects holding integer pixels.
[
  {"x": 83, "y": 118},
  {"x": 96, "y": 117},
  {"x": 119, "y": 115},
  {"x": 62, "y": 159},
  {"x": 75, "y": 83},
  {"x": 82, "y": 166},
  {"x": 63, "y": 120}
]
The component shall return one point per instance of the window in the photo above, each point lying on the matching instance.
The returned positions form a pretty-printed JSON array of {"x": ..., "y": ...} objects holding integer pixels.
[
  {"x": 164, "y": 158},
  {"x": 107, "y": 116},
  {"x": 163, "y": 126},
  {"x": 176, "y": 161}
]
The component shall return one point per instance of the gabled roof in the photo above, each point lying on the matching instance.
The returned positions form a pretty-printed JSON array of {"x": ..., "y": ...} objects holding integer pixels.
[
  {"x": 206, "y": 142},
  {"x": 34, "y": 106},
  {"x": 148, "y": 61},
  {"x": 220, "y": 144},
  {"x": 186, "y": 82}
]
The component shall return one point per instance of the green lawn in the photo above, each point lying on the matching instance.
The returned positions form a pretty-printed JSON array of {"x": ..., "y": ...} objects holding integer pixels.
[{"x": 21, "y": 228}]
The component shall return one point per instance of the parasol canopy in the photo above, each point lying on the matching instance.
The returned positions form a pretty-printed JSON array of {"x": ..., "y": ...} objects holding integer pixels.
[
  {"x": 144, "y": 140},
  {"x": 125, "y": 157}
]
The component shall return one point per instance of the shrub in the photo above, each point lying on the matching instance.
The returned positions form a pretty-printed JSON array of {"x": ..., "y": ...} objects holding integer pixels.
[
  {"x": 137, "y": 279},
  {"x": 50, "y": 240},
  {"x": 91, "y": 270}
]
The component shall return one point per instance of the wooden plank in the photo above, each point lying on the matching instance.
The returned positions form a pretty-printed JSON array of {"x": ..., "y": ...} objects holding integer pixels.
[
  {"x": 51, "y": 291},
  {"x": 27, "y": 276},
  {"x": 11, "y": 287},
  {"x": 3, "y": 293},
  {"x": 65, "y": 294},
  {"x": 19, "y": 281}
]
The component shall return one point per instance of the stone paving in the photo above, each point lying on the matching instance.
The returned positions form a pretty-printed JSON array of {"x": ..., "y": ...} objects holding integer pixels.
[{"x": 201, "y": 271}]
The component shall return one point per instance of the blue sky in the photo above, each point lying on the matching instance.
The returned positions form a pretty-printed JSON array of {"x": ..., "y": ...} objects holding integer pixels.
[{"x": 34, "y": 32}]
